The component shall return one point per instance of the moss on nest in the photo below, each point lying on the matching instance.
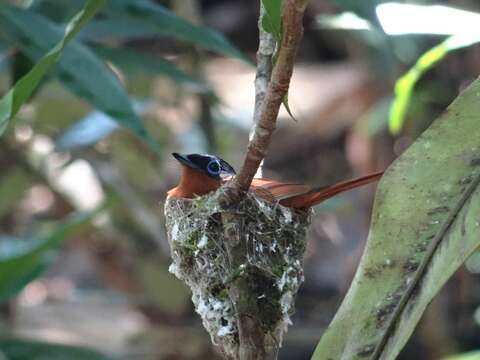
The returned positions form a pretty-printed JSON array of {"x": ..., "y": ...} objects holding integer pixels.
[{"x": 273, "y": 268}]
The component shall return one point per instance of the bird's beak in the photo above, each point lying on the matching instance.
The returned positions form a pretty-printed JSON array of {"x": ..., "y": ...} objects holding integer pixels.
[{"x": 184, "y": 160}]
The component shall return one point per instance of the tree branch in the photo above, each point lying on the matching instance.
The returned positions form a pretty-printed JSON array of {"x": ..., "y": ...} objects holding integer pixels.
[
  {"x": 270, "y": 90},
  {"x": 292, "y": 32},
  {"x": 266, "y": 48}
]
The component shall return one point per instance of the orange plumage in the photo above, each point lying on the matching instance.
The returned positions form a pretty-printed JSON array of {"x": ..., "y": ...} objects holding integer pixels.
[{"x": 197, "y": 180}]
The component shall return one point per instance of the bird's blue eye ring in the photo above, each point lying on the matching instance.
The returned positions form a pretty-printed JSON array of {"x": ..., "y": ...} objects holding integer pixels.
[{"x": 214, "y": 167}]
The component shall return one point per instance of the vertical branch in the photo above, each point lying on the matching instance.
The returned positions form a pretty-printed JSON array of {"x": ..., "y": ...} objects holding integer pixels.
[
  {"x": 266, "y": 48},
  {"x": 292, "y": 32},
  {"x": 271, "y": 86}
]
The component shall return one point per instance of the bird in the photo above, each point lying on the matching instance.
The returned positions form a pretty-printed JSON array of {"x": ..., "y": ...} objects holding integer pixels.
[{"x": 204, "y": 173}]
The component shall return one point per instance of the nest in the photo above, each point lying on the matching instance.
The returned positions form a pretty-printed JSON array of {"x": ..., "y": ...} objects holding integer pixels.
[{"x": 274, "y": 244}]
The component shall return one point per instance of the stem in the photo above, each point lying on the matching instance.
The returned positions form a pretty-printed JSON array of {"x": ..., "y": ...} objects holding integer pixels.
[
  {"x": 266, "y": 49},
  {"x": 292, "y": 32},
  {"x": 271, "y": 86}
]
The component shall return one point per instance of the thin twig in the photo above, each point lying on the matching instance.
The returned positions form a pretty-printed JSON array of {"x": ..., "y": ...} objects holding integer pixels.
[{"x": 292, "y": 32}]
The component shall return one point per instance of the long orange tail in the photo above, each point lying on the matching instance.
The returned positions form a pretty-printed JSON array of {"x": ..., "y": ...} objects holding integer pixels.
[{"x": 316, "y": 196}]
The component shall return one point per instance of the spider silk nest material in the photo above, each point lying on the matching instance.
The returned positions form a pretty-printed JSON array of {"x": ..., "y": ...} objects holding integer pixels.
[{"x": 275, "y": 244}]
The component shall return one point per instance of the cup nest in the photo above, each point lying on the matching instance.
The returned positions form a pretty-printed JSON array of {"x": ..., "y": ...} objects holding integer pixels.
[{"x": 274, "y": 244}]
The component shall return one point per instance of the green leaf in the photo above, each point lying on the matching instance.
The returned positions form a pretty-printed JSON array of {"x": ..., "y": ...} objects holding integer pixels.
[
  {"x": 425, "y": 224},
  {"x": 5, "y": 56},
  {"x": 57, "y": 11},
  {"x": 129, "y": 59},
  {"x": 79, "y": 69},
  {"x": 20, "y": 93},
  {"x": 471, "y": 355},
  {"x": 18, "y": 349},
  {"x": 21, "y": 260},
  {"x": 405, "y": 85},
  {"x": 272, "y": 19},
  {"x": 287, "y": 107},
  {"x": 115, "y": 29},
  {"x": 145, "y": 12}
]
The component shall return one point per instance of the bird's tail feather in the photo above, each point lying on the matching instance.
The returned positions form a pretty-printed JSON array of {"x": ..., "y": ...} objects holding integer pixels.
[{"x": 318, "y": 195}]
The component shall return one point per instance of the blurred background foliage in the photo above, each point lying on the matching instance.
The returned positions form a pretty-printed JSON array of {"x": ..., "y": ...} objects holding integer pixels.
[{"x": 86, "y": 163}]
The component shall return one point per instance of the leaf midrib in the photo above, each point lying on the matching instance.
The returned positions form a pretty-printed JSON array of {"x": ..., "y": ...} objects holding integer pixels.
[{"x": 423, "y": 266}]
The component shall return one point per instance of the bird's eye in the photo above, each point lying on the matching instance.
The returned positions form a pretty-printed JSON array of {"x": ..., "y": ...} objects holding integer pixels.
[{"x": 213, "y": 167}]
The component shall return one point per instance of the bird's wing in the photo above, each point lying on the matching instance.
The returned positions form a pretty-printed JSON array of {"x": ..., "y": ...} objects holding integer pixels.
[{"x": 272, "y": 190}]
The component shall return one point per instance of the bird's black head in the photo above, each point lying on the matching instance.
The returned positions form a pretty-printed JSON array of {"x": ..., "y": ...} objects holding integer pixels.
[{"x": 213, "y": 166}]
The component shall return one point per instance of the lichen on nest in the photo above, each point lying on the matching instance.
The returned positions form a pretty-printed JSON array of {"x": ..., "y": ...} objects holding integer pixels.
[{"x": 275, "y": 243}]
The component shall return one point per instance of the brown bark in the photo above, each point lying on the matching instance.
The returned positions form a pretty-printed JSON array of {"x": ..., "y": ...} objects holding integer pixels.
[{"x": 292, "y": 32}]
